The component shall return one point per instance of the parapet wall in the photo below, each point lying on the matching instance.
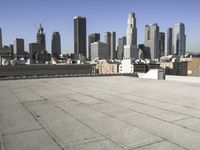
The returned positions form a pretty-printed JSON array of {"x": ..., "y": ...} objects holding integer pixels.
[
  {"x": 183, "y": 79},
  {"x": 41, "y": 70}
]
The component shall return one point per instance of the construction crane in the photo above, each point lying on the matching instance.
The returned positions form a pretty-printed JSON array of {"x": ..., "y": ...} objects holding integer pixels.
[{"x": 39, "y": 24}]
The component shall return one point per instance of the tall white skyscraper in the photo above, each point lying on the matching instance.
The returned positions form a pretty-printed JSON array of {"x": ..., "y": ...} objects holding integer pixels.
[
  {"x": 151, "y": 41},
  {"x": 130, "y": 49},
  {"x": 178, "y": 39}
]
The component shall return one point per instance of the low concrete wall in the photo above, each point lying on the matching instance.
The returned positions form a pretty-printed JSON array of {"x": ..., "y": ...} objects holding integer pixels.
[
  {"x": 156, "y": 74},
  {"x": 41, "y": 70},
  {"x": 51, "y": 71},
  {"x": 183, "y": 79}
]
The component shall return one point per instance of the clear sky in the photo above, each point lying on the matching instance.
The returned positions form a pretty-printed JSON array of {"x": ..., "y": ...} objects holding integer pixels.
[{"x": 19, "y": 16}]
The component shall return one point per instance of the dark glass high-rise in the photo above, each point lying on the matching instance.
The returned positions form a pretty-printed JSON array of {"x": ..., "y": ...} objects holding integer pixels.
[
  {"x": 56, "y": 45},
  {"x": 79, "y": 36}
]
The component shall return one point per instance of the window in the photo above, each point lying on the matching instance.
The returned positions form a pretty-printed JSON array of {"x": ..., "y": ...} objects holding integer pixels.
[{"x": 149, "y": 35}]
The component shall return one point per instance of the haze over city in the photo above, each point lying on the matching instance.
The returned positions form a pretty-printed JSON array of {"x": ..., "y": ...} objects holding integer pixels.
[{"x": 18, "y": 18}]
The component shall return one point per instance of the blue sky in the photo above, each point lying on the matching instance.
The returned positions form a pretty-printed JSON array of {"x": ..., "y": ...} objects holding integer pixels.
[{"x": 19, "y": 16}]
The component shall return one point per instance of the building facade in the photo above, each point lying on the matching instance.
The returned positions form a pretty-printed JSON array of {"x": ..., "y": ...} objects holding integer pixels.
[
  {"x": 120, "y": 47},
  {"x": 34, "y": 50},
  {"x": 18, "y": 47},
  {"x": 130, "y": 49},
  {"x": 145, "y": 52},
  {"x": 113, "y": 46},
  {"x": 169, "y": 41},
  {"x": 178, "y": 39},
  {"x": 162, "y": 44},
  {"x": 144, "y": 68},
  {"x": 110, "y": 39},
  {"x": 126, "y": 66},
  {"x": 80, "y": 36},
  {"x": 107, "y": 40},
  {"x": 175, "y": 68},
  {"x": 105, "y": 67},
  {"x": 1, "y": 43},
  {"x": 99, "y": 50},
  {"x": 94, "y": 37},
  {"x": 41, "y": 39},
  {"x": 151, "y": 41},
  {"x": 193, "y": 66},
  {"x": 56, "y": 44}
]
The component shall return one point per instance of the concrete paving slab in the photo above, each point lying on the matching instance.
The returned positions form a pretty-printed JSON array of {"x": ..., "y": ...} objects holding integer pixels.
[
  {"x": 181, "y": 136},
  {"x": 106, "y": 112},
  {"x": 16, "y": 118},
  {"x": 7, "y": 102},
  {"x": 45, "y": 111},
  {"x": 164, "y": 145},
  {"x": 191, "y": 123},
  {"x": 129, "y": 137},
  {"x": 180, "y": 109},
  {"x": 66, "y": 129},
  {"x": 112, "y": 110},
  {"x": 70, "y": 131},
  {"x": 25, "y": 96},
  {"x": 34, "y": 140},
  {"x": 142, "y": 108},
  {"x": 152, "y": 125},
  {"x": 84, "y": 99},
  {"x": 96, "y": 145}
]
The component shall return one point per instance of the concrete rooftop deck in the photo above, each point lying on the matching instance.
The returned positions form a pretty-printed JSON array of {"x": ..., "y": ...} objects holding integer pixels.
[{"x": 99, "y": 113}]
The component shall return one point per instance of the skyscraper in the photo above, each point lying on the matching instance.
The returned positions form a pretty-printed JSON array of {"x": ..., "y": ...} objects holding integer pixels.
[
  {"x": 56, "y": 44},
  {"x": 169, "y": 41},
  {"x": 162, "y": 44},
  {"x": 130, "y": 49},
  {"x": 94, "y": 37},
  {"x": 34, "y": 50},
  {"x": 110, "y": 39},
  {"x": 99, "y": 50},
  {"x": 19, "y": 47},
  {"x": 107, "y": 40},
  {"x": 120, "y": 47},
  {"x": 79, "y": 36},
  {"x": 178, "y": 39},
  {"x": 113, "y": 46},
  {"x": 1, "y": 44},
  {"x": 41, "y": 37},
  {"x": 151, "y": 41}
]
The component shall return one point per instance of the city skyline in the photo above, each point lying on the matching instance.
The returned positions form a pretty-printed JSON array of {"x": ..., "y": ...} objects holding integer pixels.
[{"x": 19, "y": 21}]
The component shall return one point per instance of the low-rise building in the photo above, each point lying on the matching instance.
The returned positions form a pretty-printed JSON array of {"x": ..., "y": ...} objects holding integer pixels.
[
  {"x": 175, "y": 68},
  {"x": 126, "y": 66},
  {"x": 193, "y": 66},
  {"x": 105, "y": 67},
  {"x": 143, "y": 68}
]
